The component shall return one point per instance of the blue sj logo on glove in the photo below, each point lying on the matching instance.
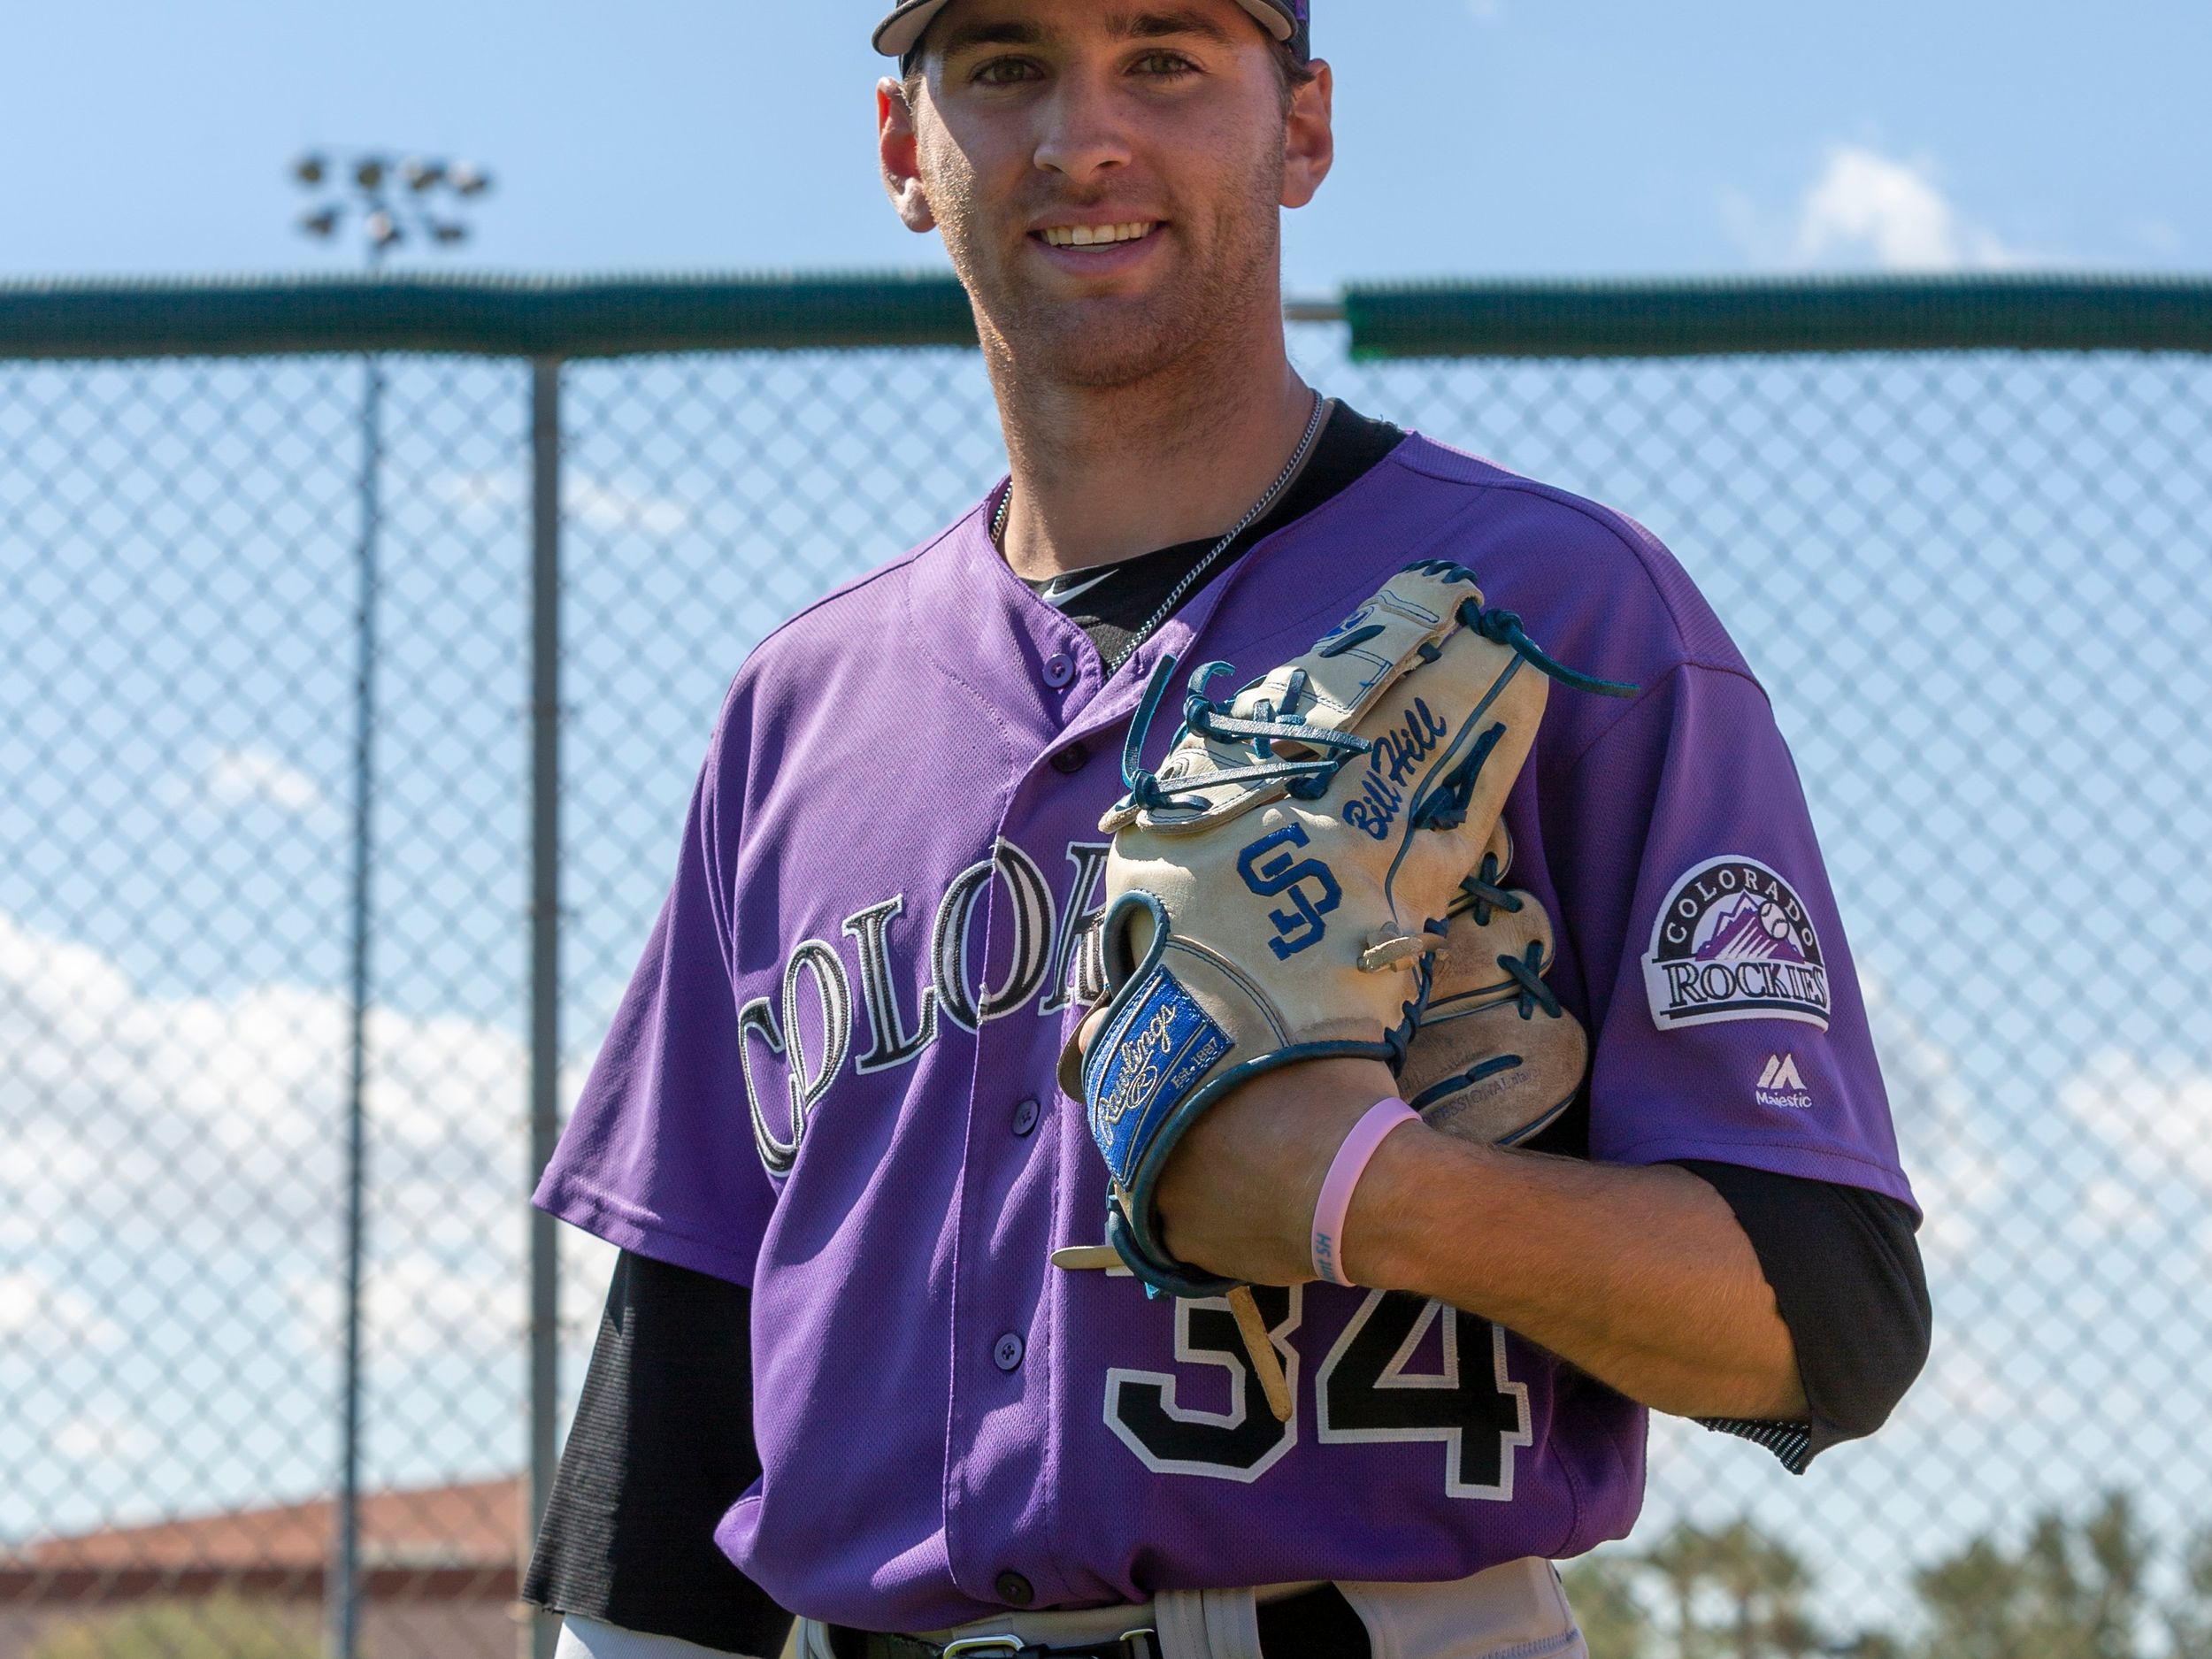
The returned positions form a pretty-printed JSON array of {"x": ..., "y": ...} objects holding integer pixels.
[{"x": 1301, "y": 926}]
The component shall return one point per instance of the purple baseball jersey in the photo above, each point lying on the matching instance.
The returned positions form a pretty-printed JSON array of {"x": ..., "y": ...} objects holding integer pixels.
[{"x": 833, "y": 1077}]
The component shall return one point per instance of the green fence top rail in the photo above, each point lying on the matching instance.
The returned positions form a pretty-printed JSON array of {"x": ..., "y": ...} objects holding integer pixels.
[
  {"x": 567, "y": 317},
  {"x": 484, "y": 315},
  {"x": 2042, "y": 311}
]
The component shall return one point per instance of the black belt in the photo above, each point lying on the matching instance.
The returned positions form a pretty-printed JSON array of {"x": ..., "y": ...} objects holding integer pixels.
[{"x": 1317, "y": 1624}]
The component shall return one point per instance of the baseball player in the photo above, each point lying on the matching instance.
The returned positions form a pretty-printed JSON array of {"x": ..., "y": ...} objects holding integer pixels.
[{"x": 1356, "y": 1376}]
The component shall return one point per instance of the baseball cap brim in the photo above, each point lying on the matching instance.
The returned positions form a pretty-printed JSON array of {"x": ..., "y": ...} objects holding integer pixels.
[{"x": 896, "y": 34}]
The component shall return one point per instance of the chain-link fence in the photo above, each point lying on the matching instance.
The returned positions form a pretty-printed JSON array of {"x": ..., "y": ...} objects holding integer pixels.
[{"x": 1977, "y": 582}]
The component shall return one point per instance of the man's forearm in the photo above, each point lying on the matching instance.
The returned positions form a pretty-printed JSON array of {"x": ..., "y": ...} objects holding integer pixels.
[{"x": 1640, "y": 1275}]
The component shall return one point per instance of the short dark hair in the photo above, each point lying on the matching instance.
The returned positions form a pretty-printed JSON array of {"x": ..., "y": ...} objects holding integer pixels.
[{"x": 1297, "y": 72}]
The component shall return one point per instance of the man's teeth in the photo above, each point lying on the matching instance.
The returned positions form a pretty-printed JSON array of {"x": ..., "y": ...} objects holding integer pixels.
[{"x": 1097, "y": 235}]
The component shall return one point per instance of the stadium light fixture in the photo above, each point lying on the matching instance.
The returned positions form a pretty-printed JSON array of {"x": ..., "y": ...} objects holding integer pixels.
[{"x": 414, "y": 200}]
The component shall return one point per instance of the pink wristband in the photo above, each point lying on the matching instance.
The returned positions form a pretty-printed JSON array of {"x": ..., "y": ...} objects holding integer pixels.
[{"x": 1352, "y": 1159}]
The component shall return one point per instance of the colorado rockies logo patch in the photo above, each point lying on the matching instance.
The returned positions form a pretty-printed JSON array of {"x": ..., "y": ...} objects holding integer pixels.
[{"x": 1734, "y": 942}]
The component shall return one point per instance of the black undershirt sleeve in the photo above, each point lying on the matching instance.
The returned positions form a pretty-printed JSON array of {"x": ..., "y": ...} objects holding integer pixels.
[
  {"x": 1848, "y": 1283},
  {"x": 661, "y": 1447}
]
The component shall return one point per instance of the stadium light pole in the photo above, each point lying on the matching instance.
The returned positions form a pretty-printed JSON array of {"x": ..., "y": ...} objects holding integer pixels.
[{"x": 392, "y": 203}]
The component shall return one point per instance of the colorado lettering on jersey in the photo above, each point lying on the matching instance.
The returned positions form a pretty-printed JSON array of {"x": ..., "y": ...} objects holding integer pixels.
[{"x": 1054, "y": 951}]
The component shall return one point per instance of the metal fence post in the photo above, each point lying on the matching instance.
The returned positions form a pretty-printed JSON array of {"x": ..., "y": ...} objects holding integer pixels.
[
  {"x": 344, "y": 1591},
  {"x": 539, "y": 1630}
]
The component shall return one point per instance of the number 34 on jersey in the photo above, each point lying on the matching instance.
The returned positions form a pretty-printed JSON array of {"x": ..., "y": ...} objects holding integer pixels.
[{"x": 1405, "y": 1369}]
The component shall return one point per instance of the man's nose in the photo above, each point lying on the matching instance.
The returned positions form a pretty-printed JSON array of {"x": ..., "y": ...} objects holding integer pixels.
[{"x": 1082, "y": 134}]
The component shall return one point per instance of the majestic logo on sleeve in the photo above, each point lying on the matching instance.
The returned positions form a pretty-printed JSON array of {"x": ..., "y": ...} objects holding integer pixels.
[
  {"x": 1782, "y": 1086},
  {"x": 1733, "y": 941}
]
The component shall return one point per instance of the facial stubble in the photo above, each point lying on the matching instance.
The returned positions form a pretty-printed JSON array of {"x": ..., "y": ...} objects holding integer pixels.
[{"x": 1223, "y": 277}]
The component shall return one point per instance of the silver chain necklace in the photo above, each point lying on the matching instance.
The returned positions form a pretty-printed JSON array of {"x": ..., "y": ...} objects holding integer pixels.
[{"x": 1257, "y": 512}]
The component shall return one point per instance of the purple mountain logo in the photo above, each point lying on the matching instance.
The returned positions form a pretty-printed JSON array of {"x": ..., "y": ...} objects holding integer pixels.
[
  {"x": 1747, "y": 929},
  {"x": 1733, "y": 940}
]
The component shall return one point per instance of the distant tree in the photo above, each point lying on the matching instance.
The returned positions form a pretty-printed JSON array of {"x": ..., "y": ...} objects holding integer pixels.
[
  {"x": 1601, "y": 1589},
  {"x": 2075, "y": 1587},
  {"x": 223, "y": 1628},
  {"x": 2189, "y": 1616},
  {"x": 1973, "y": 1602},
  {"x": 2073, "y": 1591},
  {"x": 1764, "y": 1586},
  {"x": 1681, "y": 1562},
  {"x": 1730, "y": 1592},
  {"x": 2105, "y": 1603}
]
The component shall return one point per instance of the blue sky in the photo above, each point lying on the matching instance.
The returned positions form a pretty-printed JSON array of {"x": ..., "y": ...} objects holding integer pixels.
[{"x": 1477, "y": 135}]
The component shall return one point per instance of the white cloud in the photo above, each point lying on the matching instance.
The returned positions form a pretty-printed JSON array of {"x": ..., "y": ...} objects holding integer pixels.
[
  {"x": 415, "y": 1307},
  {"x": 167, "y": 1120},
  {"x": 171, "y": 1182},
  {"x": 102, "y": 1437},
  {"x": 608, "y": 507},
  {"x": 1487, "y": 10},
  {"x": 38, "y": 1316},
  {"x": 2157, "y": 235},
  {"x": 1963, "y": 1384},
  {"x": 237, "y": 776},
  {"x": 1958, "y": 1169},
  {"x": 1865, "y": 207},
  {"x": 145, "y": 1132},
  {"x": 2154, "y": 1115},
  {"x": 595, "y": 504}
]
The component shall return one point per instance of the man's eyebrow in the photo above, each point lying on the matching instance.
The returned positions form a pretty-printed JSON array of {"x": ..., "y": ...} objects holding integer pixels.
[
  {"x": 1138, "y": 26},
  {"x": 1006, "y": 32},
  {"x": 1156, "y": 25}
]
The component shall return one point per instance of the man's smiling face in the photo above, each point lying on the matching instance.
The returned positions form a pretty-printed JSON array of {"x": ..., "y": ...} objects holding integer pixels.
[{"x": 1108, "y": 175}]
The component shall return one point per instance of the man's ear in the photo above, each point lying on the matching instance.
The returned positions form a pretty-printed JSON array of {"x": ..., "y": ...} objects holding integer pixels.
[
  {"x": 1309, "y": 137},
  {"x": 900, "y": 153}
]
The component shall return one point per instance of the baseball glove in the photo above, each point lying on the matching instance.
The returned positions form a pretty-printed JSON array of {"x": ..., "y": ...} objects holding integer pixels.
[
  {"x": 1495, "y": 1056},
  {"x": 1277, "y": 888}
]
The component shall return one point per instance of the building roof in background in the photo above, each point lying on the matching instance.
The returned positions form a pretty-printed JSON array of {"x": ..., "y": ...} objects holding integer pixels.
[{"x": 473, "y": 1526}]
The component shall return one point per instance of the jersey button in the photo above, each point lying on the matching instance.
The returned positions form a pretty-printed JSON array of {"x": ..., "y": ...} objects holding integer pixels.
[
  {"x": 1025, "y": 1116},
  {"x": 1070, "y": 760},
  {"x": 1014, "y": 1590},
  {"x": 1007, "y": 1353},
  {"x": 1059, "y": 670}
]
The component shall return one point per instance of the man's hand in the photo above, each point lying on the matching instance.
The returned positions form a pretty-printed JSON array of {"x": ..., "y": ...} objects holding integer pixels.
[
  {"x": 1239, "y": 1197},
  {"x": 1640, "y": 1275}
]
